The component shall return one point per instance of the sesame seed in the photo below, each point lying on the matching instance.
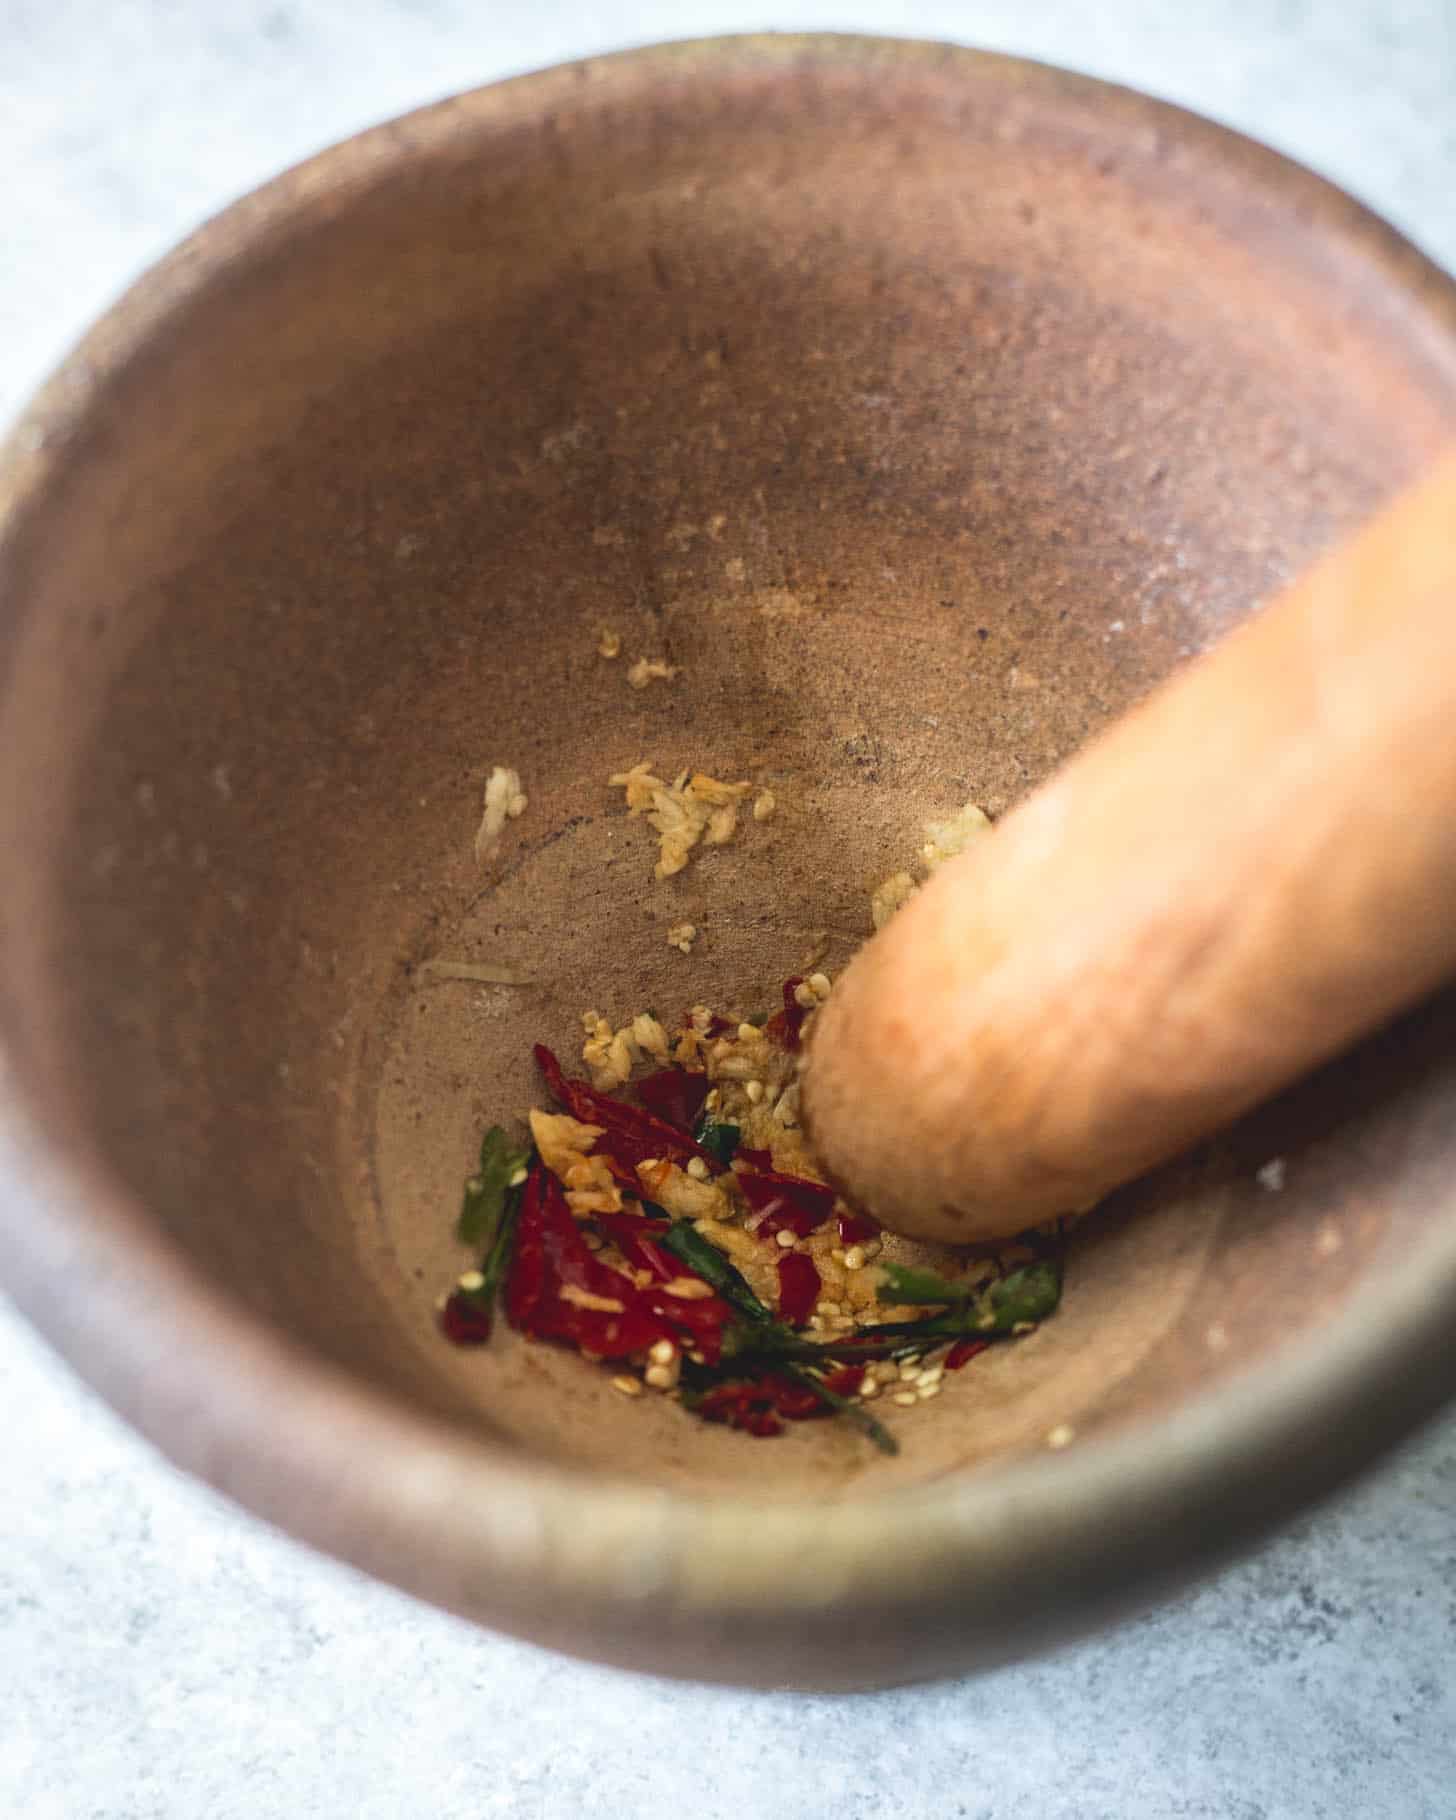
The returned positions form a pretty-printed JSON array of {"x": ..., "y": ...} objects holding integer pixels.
[
  {"x": 661, "y": 1377},
  {"x": 784, "y": 1238},
  {"x": 909, "y": 1371},
  {"x": 818, "y": 984},
  {"x": 1023, "y": 1326},
  {"x": 804, "y": 996},
  {"x": 517, "y": 1178},
  {"x": 1061, "y": 1436},
  {"x": 870, "y": 1388},
  {"x": 754, "y": 1090},
  {"x": 747, "y": 1033},
  {"x": 662, "y": 1352},
  {"x": 931, "y": 1375},
  {"x": 907, "y": 1399},
  {"x": 472, "y": 1279},
  {"x": 764, "y": 805},
  {"x": 697, "y": 1169},
  {"x": 926, "y": 1391},
  {"x": 629, "y": 1387},
  {"x": 854, "y": 1258}
]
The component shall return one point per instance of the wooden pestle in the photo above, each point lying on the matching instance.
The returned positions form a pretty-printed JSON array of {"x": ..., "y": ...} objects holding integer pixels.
[{"x": 1246, "y": 873}]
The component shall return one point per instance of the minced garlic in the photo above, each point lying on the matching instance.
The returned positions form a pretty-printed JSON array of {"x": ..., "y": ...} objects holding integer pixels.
[
  {"x": 946, "y": 840},
  {"x": 504, "y": 800},
  {"x": 650, "y": 669},
  {"x": 693, "y": 808}
]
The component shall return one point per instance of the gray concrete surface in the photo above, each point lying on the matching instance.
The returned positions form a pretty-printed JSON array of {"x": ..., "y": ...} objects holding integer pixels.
[{"x": 163, "y": 1657}]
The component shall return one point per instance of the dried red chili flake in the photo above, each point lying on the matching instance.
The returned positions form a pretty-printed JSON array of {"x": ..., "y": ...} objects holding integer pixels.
[
  {"x": 698, "y": 1323},
  {"x": 631, "y": 1136},
  {"x": 626, "y": 1179},
  {"x": 526, "y": 1281},
  {"x": 700, "y": 1320},
  {"x": 798, "y": 1287},
  {"x": 465, "y": 1321},
  {"x": 757, "y": 1404},
  {"x": 848, "y": 1381},
  {"x": 964, "y": 1351},
  {"x": 756, "y": 1159},
  {"x": 856, "y": 1228},
  {"x": 674, "y": 1095},
  {"x": 634, "y": 1238},
  {"x": 740, "y": 1405},
  {"x": 551, "y": 1256},
  {"x": 796, "y": 1402},
  {"x": 786, "y": 1202},
  {"x": 786, "y": 1027}
]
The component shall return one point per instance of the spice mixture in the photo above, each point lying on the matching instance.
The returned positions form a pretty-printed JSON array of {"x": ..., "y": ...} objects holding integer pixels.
[{"x": 668, "y": 1221}]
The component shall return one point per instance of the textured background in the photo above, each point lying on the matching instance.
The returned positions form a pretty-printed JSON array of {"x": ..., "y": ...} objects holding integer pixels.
[{"x": 163, "y": 1657}]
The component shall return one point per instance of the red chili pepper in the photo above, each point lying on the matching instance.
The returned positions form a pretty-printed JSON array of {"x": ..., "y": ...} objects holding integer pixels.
[
  {"x": 756, "y": 1159},
  {"x": 739, "y": 1406},
  {"x": 848, "y": 1381},
  {"x": 756, "y": 1405},
  {"x": 786, "y": 1027},
  {"x": 856, "y": 1228},
  {"x": 964, "y": 1351},
  {"x": 526, "y": 1282},
  {"x": 698, "y": 1321},
  {"x": 796, "y": 1402},
  {"x": 674, "y": 1095},
  {"x": 635, "y": 1239},
  {"x": 552, "y": 1256},
  {"x": 465, "y": 1321},
  {"x": 698, "y": 1324},
  {"x": 632, "y": 1136},
  {"x": 626, "y": 1179},
  {"x": 798, "y": 1287},
  {"x": 721, "y": 1396},
  {"x": 790, "y": 1202},
  {"x": 609, "y": 1336}
]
